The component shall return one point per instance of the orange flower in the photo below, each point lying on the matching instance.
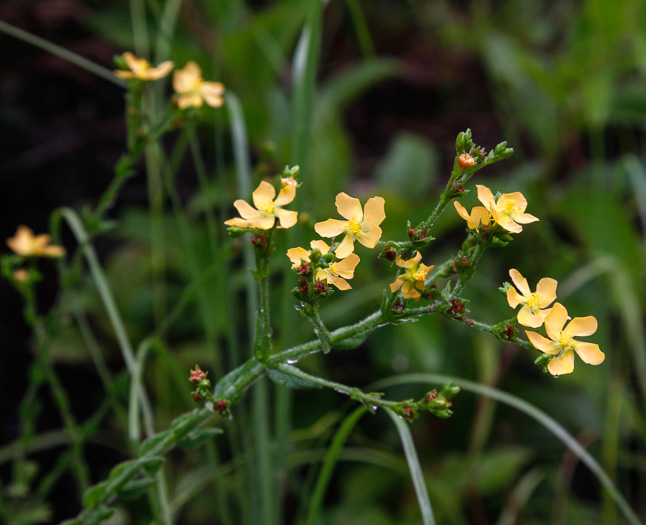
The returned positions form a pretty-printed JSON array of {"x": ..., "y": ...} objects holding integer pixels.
[
  {"x": 30, "y": 245},
  {"x": 140, "y": 68},
  {"x": 336, "y": 273},
  {"x": 413, "y": 279},
  {"x": 268, "y": 208},
  {"x": 508, "y": 210},
  {"x": 192, "y": 90}
]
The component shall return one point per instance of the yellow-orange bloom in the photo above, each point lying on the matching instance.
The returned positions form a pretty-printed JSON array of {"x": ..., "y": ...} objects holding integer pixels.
[
  {"x": 534, "y": 309},
  {"x": 360, "y": 226},
  {"x": 336, "y": 273},
  {"x": 413, "y": 279},
  {"x": 478, "y": 215},
  {"x": 268, "y": 208},
  {"x": 30, "y": 245},
  {"x": 508, "y": 210},
  {"x": 192, "y": 90},
  {"x": 561, "y": 343},
  {"x": 140, "y": 68}
]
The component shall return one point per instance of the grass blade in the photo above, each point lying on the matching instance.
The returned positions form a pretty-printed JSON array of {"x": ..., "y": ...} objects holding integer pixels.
[
  {"x": 415, "y": 468},
  {"x": 330, "y": 461},
  {"x": 544, "y": 419}
]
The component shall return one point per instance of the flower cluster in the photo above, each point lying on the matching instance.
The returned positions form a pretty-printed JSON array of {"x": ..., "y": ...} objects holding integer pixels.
[
  {"x": 191, "y": 90},
  {"x": 27, "y": 244},
  {"x": 334, "y": 264},
  {"x": 508, "y": 211},
  {"x": 560, "y": 342}
]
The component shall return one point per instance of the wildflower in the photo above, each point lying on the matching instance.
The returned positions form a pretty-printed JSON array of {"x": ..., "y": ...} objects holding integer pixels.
[
  {"x": 561, "y": 343},
  {"x": 30, "y": 245},
  {"x": 478, "y": 215},
  {"x": 535, "y": 304},
  {"x": 336, "y": 273},
  {"x": 413, "y": 279},
  {"x": 140, "y": 68},
  {"x": 268, "y": 208},
  {"x": 192, "y": 90},
  {"x": 360, "y": 226},
  {"x": 508, "y": 211}
]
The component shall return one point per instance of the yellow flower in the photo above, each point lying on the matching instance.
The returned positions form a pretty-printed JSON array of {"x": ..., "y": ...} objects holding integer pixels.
[
  {"x": 508, "y": 211},
  {"x": 478, "y": 216},
  {"x": 192, "y": 90},
  {"x": 267, "y": 209},
  {"x": 413, "y": 279},
  {"x": 140, "y": 68},
  {"x": 533, "y": 311},
  {"x": 335, "y": 273},
  {"x": 561, "y": 343},
  {"x": 30, "y": 245},
  {"x": 360, "y": 226}
]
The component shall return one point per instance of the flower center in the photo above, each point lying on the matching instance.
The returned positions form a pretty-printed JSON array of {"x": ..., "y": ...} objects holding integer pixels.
[
  {"x": 354, "y": 227},
  {"x": 509, "y": 207},
  {"x": 532, "y": 301},
  {"x": 419, "y": 275},
  {"x": 565, "y": 341},
  {"x": 268, "y": 207}
]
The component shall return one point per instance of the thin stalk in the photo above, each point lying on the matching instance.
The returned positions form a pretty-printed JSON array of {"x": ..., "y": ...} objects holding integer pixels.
[
  {"x": 415, "y": 468},
  {"x": 544, "y": 419},
  {"x": 61, "y": 52},
  {"x": 109, "y": 304},
  {"x": 361, "y": 28},
  {"x": 315, "y": 502}
]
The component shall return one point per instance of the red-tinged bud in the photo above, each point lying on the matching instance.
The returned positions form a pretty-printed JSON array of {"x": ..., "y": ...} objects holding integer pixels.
[
  {"x": 466, "y": 161},
  {"x": 412, "y": 233},
  {"x": 467, "y": 320},
  {"x": 303, "y": 286},
  {"x": 321, "y": 287},
  {"x": 197, "y": 375},
  {"x": 390, "y": 254},
  {"x": 398, "y": 306},
  {"x": 457, "y": 188},
  {"x": 465, "y": 260},
  {"x": 304, "y": 269},
  {"x": 220, "y": 406},
  {"x": 197, "y": 397},
  {"x": 178, "y": 123},
  {"x": 408, "y": 413},
  {"x": 457, "y": 306},
  {"x": 258, "y": 240},
  {"x": 431, "y": 396},
  {"x": 422, "y": 234},
  {"x": 509, "y": 331}
]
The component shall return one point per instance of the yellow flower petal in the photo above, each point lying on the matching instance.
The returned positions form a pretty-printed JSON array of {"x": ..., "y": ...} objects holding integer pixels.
[
  {"x": 589, "y": 353},
  {"x": 374, "y": 213},
  {"x": 263, "y": 221},
  {"x": 345, "y": 267},
  {"x": 555, "y": 321},
  {"x": 409, "y": 263},
  {"x": 240, "y": 223},
  {"x": 513, "y": 298},
  {"x": 297, "y": 255},
  {"x": 155, "y": 73},
  {"x": 582, "y": 326},
  {"x": 546, "y": 290},
  {"x": 517, "y": 199},
  {"x": 330, "y": 228},
  {"x": 286, "y": 195},
  {"x": 479, "y": 215},
  {"x": 189, "y": 100},
  {"x": 246, "y": 210},
  {"x": 506, "y": 222},
  {"x": 212, "y": 93},
  {"x": 321, "y": 246},
  {"x": 370, "y": 238},
  {"x": 346, "y": 247},
  {"x": 397, "y": 284},
  {"x": 263, "y": 195},
  {"x": 485, "y": 197},
  {"x": 520, "y": 282},
  {"x": 339, "y": 282},
  {"x": 528, "y": 318},
  {"x": 462, "y": 211},
  {"x": 410, "y": 292},
  {"x": 562, "y": 364},
  {"x": 187, "y": 78},
  {"x": 349, "y": 207},
  {"x": 542, "y": 343},
  {"x": 525, "y": 218},
  {"x": 287, "y": 218}
]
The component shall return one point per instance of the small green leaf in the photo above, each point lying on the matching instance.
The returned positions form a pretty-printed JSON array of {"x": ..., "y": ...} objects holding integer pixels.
[
  {"x": 151, "y": 465},
  {"x": 352, "y": 342},
  {"x": 152, "y": 442},
  {"x": 136, "y": 488},
  {"x": 199, "y": 437},
  {"x": 92, "y": 495},
  {"x": 288, "y": 380}
]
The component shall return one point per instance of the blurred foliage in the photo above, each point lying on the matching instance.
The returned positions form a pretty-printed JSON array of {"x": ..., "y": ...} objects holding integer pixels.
[{"x": 564, "y": 83}]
